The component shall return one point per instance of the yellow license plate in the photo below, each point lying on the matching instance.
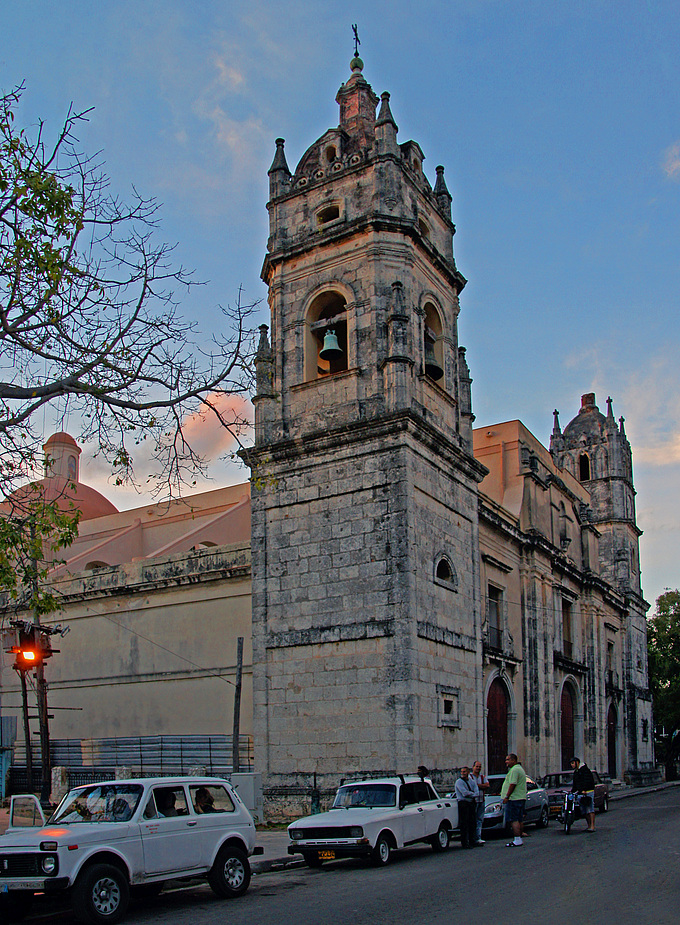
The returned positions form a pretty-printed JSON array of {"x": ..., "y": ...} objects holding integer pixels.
[{"x": 326, "y": 855}]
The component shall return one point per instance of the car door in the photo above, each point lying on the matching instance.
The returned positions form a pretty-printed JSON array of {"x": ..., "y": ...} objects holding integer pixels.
[
  {"x": 25, "y": 812},
  {"x": 411, "y": 817},
  {"x": 215, "y": 811},
  {"x": 170, "y": 835},
  {"x": 432, "y": 808},
  {"x": 532, "y": 807}
]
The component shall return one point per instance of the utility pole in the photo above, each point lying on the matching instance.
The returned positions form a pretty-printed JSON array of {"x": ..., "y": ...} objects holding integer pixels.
[
  {"x": 27, "y": 730},
  {"x": 236, "y": 730}
]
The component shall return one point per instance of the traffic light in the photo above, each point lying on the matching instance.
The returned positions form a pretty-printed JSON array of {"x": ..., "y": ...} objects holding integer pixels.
[{"x": 29, "y": 652}]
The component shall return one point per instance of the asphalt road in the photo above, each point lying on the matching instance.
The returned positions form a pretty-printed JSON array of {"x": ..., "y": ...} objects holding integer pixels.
[{"x": 628, "y": 871}]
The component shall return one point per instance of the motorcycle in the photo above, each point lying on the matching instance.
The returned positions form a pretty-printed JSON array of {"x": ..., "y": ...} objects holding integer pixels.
[{"x": 572, "y": 810}]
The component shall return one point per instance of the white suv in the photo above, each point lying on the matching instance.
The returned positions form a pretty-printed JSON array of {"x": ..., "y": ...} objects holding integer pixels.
[
  {"x": 370, "y": 818},
  {"x": 106, "y": 838}
]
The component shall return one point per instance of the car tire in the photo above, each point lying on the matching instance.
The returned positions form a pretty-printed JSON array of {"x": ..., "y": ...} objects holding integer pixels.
[
  {"x": 15, "y": 906},
  {"x": 100, "y": 895},
  {"x": 230, "y": 874},
  {"x": 544, "y": 819},
  {"x": 440, "y": 841},
  {"x": 382, "y": 851},
  {"x": 312, "y": 859},
  {"x": 605, "y": 804}
]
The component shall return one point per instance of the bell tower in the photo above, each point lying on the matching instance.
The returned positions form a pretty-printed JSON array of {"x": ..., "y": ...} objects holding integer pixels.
[
  {"x": 366, "y": 612},
  {"x": 594, "y": 448}
]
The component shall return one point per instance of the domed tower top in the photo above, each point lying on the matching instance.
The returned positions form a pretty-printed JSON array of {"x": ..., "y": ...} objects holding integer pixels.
[{"x": 596, "y": 451}]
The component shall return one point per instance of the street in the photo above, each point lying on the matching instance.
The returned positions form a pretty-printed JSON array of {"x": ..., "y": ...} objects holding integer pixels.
[{"x": 627, "y": 872}]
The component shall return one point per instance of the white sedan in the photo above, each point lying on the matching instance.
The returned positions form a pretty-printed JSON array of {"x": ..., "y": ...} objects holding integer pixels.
[{"x": 372, "y": 818}]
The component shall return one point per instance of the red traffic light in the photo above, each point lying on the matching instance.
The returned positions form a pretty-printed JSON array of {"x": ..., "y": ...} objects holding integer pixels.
[{"x": 29, "y": 653}]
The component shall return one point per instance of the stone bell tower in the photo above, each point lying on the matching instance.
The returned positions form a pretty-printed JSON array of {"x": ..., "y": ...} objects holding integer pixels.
[
  {"x": 595, "y": 449},
  {"x": 366, "y": 609}
]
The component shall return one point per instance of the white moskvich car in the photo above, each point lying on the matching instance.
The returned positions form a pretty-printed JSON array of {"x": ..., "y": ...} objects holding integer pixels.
[
  {"x": 108, "y": 838},
  {"x": 371, "y": 818}
]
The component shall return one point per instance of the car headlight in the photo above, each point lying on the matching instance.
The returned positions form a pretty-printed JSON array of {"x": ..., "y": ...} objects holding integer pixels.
[
  {"x": 493, "y": 808},
  {"x": 356, "y": 831},
  {"x": 49, "y": 864},
  {"x": 296, "y": 833}
]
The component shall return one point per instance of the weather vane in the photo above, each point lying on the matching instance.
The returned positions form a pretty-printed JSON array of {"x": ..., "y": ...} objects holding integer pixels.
[{"x": 357, "y": 40}]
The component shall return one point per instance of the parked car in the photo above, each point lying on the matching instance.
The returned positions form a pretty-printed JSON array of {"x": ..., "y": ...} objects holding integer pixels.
[
  {"x": 537, "y": 807},
  {"x": 108, "y": 838},
  {"x": 372, "y": 818},
  {"x": 559, "y": 783}
]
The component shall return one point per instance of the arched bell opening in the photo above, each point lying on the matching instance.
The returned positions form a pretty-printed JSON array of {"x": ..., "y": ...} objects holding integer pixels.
[
  {"x": 326, "y": 336},
  {"x": 432, "y": 344}
]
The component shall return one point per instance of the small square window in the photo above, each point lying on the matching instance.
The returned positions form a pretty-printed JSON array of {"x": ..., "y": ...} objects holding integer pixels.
[{"x": 448, "y": 700}]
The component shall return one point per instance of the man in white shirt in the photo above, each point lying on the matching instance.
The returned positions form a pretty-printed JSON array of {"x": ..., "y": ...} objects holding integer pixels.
[{"x": 480, "y": 802}]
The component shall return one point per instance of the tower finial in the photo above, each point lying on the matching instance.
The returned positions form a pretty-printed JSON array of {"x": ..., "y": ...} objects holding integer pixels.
[{"x": 357, "y": 40}]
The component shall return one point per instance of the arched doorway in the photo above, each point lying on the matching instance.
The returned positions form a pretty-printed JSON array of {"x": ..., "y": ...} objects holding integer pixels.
[
  {"x": 567, "y": 726},
  {"x": 497, "y": 705},
  {"x": 612, "y": 720}
]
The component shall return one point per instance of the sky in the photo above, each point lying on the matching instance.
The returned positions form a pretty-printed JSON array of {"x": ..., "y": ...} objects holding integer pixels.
[{"x": 558, "y": 124}]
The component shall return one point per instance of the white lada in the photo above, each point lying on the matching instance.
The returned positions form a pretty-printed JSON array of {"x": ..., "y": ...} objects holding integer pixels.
[
  {"x": 371, "y": 818},
  {"x": 108, "y": 838}
]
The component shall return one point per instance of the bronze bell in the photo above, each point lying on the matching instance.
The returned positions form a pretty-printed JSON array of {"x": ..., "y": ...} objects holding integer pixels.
[
  {"x": 432, "y": 367},
  {"x": 331, "y": 348}
]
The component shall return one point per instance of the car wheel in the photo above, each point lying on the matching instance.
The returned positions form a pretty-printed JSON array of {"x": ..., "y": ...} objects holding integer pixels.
[
  {"x": 605, "y": 804},
  {"x": 381, "y": 852},
  {"x": 440, "y": 841},
  {"x": 15, "y": 906},
  {"x": 544, "y": 818},
  {"x": 101, "y": 894},
  {"x": 312, "y": 859},
  {"x": 230, "y": 874}
]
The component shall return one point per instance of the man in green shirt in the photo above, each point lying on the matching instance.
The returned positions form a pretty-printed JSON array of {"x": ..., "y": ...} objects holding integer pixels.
[{"x": 514, "y": 794}]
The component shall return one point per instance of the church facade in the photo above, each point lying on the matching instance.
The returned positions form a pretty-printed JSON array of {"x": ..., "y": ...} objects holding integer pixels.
[
  {"x": 415, "y": 591},
  {"x": 420, "y": 595}
]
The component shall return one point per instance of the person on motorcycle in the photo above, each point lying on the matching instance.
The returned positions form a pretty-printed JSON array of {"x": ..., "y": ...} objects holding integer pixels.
[{"x": 584, "y": 785}]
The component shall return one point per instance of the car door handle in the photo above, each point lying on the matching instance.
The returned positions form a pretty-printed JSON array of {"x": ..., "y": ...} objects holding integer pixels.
[{"x": 191, "y": 823}]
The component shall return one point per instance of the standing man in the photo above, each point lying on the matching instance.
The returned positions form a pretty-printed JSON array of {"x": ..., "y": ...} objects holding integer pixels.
[
  {"x": 584, "y": 786},
  {"x": 466, "y": 794},
  {"x": 480, "y": 802},
  {"x": 514, "y": 794}
]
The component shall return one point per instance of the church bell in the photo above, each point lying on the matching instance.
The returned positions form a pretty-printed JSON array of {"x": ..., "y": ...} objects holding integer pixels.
[
  {"x": 432, "y": 367},
  {"x": 331, "y": 348}
]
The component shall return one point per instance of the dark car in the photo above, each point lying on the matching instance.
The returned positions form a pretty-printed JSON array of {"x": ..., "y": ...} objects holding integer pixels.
[{"x": 561, "y": 782}]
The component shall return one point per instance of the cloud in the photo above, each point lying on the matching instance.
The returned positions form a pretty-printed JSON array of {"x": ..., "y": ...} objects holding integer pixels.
[{"x": 671, "y": 162}]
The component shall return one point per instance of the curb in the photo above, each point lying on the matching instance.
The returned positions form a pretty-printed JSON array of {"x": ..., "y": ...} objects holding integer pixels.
[
  {"x": 275, "y": 864},
  {"x": 641, "y": 791}
]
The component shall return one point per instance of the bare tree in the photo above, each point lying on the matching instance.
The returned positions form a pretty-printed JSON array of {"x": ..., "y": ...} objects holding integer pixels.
[{"x": 89, "y": 320}]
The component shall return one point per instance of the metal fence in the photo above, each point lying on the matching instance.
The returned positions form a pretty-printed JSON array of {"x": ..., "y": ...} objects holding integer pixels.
[{"x": 90, "y": 760}]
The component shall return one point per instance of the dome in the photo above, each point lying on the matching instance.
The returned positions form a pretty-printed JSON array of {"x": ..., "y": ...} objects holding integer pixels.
[
  {"x": 61, "y": 482},
  {"x": 589, "y": 423}
]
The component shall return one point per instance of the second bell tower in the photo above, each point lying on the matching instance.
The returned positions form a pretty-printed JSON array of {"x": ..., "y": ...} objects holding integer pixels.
[{"x": 366, "y": 613}]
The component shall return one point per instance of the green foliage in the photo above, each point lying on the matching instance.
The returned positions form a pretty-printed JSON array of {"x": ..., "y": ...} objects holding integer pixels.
[
  {"x": 663, "y": 639},
  {"x": 32, "y": 532},
  {"x": 89, "y": 321}
]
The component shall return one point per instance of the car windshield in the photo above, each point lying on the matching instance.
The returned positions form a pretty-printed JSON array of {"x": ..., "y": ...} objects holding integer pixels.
[
  {"x": 365, "y": 795},
  {"x": 98, "y": 803},
  {"x": 558, "y": 780},
  {"x": 495, "y": 784}
]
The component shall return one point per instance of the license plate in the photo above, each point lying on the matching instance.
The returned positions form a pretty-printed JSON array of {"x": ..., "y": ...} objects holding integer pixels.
[{"x": 326, "y": 855}]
